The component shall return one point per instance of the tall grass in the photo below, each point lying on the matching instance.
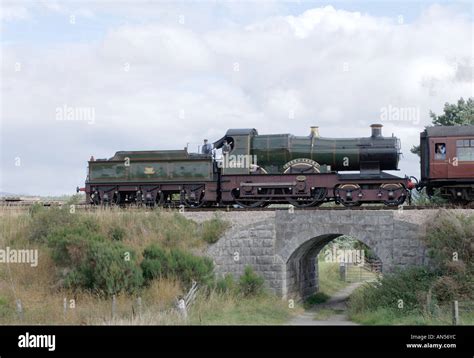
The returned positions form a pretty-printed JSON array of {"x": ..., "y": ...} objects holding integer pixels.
[
  {"x": 424, "y": 295},
  {"x": 42, "y": 291}
]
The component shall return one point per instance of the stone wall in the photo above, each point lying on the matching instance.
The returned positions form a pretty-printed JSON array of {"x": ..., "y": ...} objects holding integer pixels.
[{"x": 282, "y": 246}]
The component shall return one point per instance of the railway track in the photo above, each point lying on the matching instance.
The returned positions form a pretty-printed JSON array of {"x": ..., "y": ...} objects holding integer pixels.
[{"x": 84, "y": 206}]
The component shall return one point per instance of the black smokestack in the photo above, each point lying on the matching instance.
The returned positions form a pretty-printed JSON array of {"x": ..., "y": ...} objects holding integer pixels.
[{"x": 376, "y": 130}]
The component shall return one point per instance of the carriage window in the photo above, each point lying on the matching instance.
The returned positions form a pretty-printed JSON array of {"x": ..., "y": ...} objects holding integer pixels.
[
  {"x": 440, "y": 151},
  {"x": 465, "y": 150}
]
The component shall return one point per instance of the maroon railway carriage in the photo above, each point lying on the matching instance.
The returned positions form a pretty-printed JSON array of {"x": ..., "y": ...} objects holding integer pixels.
[{"x": 447, "y": 162}]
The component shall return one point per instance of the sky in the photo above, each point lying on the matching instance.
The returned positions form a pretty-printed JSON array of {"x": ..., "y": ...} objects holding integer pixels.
[{"x": 83, "y": 78}]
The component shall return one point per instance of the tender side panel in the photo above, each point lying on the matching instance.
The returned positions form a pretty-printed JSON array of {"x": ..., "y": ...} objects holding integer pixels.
[{"x": 113, "y": 171}]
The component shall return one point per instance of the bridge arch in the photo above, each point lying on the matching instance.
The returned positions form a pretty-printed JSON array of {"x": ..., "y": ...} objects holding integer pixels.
[
  {"x": 282, "y": 245},
  {"x": 301, "y": 269}
]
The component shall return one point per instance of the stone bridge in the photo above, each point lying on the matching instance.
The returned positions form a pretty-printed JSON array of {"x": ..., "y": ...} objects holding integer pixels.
[{"x": 282, "y": 246}]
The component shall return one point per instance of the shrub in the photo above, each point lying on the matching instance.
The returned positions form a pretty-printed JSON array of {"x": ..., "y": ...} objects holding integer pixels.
[
  {"x": 225, "y": 284},
  {"x": 116, "y": 233},
  {"x": 107, "y": 269},
  {"x": 451, "y": 235},
  {"x": 213, "y": 229},
  {"x": 250, "y": 284},
  {"x": 91, "y": 261},
  {"x": 445, "y": 289},
  {"x": 409, "y": 285},
  {"x": 175, "y": 263},
  {"x": 46, "y": 220}
]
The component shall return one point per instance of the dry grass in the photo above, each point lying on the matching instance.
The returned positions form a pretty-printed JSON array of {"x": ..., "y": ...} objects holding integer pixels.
[{"x": 42, "y": 298}]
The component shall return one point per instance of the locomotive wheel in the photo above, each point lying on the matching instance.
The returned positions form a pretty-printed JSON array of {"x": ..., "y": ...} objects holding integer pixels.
[
  {"x": 248, "y": 203},
  {"x": 397, "y": 202},
  {"x": 394, "y": 188},
  {"x": 344, "y": 189},
  {"x": 316, "y": 200}
]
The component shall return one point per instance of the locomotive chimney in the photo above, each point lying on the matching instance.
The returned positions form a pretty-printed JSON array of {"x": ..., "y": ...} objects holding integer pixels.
[
  {"x": 376, "y": 130},
  {"x": 314, "y": 132}
]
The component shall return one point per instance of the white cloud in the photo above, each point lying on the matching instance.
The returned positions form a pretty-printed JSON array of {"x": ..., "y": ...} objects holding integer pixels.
[
  {"x": 10, "y": 12},
  {"x": 161, "y": 84}
]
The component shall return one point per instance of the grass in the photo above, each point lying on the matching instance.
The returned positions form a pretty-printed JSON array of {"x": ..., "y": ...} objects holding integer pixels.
[
  {"x": 424, "y": 295},
  {"x": 384, "y": 316},
  {"x": 224, "y": 309},
  {"x": 329, "y": 283},
  {"x": 324, "y": 313},
  {"x": 42, "y": 296},
  {"x": 329, "y": 278}
]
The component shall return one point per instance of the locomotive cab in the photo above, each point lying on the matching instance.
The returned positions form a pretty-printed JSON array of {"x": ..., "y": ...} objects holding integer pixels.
[{"x": 238, "y": 160}]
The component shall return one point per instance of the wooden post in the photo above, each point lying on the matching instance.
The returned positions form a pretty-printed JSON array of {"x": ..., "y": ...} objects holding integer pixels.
[
  {"x": 19, "y": 309},
  {"x": 139, "y": 306},
  {"x": 342, "y": 271},
  {"x": 65, "y": 307},
  {"x": 114, "y": 304},
  {"x": 455, "y": 313}
]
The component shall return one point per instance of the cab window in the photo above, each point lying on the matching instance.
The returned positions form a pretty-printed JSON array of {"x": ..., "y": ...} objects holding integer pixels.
[
  {"x": 465, "y": 150},
  {"x": 440, "y": 151}
]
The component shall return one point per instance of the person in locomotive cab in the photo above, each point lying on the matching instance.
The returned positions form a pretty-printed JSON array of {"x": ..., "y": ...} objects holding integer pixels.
[
  {"x": 207, "y": 148},
  {"x": 225, "y": 148},
  {"x": 440, "y": 151}
]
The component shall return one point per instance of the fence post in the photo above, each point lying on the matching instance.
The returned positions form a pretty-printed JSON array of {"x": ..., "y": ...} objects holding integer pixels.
[
  {"x": 342, "y": 271},
  {"x": 181, "y": 306},
  {"x": 19, "y": 309},
  {"x": 114, "y": 303},
  {"x": 65, "y": 307},
  {"x": 455, "y": 313},
  {"x": 139, "y": 306}
]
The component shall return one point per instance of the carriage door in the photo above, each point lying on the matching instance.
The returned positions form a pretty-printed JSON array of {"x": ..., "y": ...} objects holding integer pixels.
[{"x": 439, "y": 158}]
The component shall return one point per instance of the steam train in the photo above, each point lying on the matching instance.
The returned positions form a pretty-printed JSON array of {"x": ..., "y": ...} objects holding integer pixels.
[{"x": 258, "y": 170}]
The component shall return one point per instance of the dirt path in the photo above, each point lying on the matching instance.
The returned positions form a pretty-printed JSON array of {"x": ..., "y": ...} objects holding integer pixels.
[{"x": 337, "y": 304}]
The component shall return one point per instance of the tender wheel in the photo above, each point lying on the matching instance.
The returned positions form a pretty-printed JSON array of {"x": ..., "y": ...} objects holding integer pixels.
[{"x": 193, "y": 197}]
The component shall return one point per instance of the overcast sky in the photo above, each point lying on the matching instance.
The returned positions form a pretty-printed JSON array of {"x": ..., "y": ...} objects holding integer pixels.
[{"x": 159, "y": 75}]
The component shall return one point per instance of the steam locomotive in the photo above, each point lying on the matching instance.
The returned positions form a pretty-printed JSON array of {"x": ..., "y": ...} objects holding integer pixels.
[{"x": 258, "y": 170}]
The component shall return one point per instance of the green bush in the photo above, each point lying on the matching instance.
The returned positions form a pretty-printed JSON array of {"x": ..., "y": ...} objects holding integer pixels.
[
  {"x": 158, "y": 262},
  {"x": 250, "y": 284},
  {"x": 117, "y": 233},
  {"x": 225, "y": 284},
  {"x": 46, "y": 220},
  {"x": 107, "y": 269},
  {"x": 89, "y": 260},
  {"x": 213, "y": 229},
  {"x": 409, "y": 285}
]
